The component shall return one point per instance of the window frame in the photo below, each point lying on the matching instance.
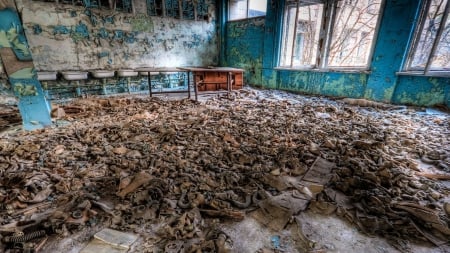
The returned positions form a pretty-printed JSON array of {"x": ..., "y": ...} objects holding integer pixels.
[
  {"x": 247, "y": 12},
  {"x": 326, "y": 35},
  {"x": 416, "y": 35}
]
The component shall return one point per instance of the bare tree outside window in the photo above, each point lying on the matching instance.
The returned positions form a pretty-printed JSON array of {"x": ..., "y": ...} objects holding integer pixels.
[
  {"x": 353, "y": 33},
  {"x": 429, "y": 28},
  {"x": 350, "y": 37},
  {"x": 441, "y": 60}
]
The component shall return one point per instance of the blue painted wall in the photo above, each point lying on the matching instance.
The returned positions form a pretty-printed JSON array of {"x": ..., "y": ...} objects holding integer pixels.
[{"x": 243, "y": 46}]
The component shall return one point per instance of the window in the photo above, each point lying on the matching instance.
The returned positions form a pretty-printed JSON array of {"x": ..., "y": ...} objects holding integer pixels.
[
  {"x": 301, "y": 34},
  {"x": 329, "y": 34},
  {"x": 240, "y": 9},
  {"x": 430, "y": 50}
]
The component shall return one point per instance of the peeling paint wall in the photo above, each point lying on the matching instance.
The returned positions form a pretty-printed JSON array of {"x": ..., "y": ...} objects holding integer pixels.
[
  {"x": 244, "y": 48},
  {"x": 426, "y": 91},
  {"x": 248, "y": 42},
  {"x": 322, "y": 83},
  {"x": 64, "y": 37}
]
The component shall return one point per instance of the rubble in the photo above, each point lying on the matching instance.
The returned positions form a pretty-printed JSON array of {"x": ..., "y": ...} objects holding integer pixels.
[{"x": 169, "y": 170}]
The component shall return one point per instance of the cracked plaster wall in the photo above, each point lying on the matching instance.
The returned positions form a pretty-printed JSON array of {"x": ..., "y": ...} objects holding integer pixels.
[{"x": 66, "y": 37}]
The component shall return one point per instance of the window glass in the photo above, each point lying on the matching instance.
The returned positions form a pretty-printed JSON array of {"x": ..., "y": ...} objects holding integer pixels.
[
  {"x": 257, "y": 8},
  {"x": 441, "y": 59},
  {"x": 301, "y": 34},
  {"x": 353, "y": 33},
  {"x": 238, "y": 9},
  {"x": 241, "y": 9},
  {"x": 428, "y": 34}
]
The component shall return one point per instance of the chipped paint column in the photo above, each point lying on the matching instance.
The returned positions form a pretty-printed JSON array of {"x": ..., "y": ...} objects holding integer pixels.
[
  {"x": 34, "y": 108},
  {"x": 245, "y": 47},
  {"x": 272, "y": 33},
  {"x": 390, "y": 47}
]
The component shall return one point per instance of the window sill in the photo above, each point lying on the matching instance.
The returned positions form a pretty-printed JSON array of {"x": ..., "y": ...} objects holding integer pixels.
[
  {"x": 421, "y": 73},
  {"x": 244, "y": 19},
  {"x": 349, "y": 71}
]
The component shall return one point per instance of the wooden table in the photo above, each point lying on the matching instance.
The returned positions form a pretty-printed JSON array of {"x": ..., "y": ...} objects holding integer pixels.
[
  {"x": 164, "y": 70},
  {"x": 215, "y": 76}
]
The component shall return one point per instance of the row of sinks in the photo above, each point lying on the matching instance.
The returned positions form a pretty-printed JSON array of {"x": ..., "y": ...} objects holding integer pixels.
[{"x": 81, "y": 75}]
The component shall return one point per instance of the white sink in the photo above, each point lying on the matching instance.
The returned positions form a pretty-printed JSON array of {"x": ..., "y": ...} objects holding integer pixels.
[
  {"x": 126, "y": 72},
  {"x": 46, "y": 75},
  {"x": 74, "y": 75},
  {"x": 102, "y": 73},
  {"x": 145, "y": 73}
]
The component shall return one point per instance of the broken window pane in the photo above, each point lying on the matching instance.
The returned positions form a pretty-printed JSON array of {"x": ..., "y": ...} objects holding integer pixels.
[
  {"x": 353, "y": 32},
  {"x": 301, "y": 34},
  {"x": 428, "y": 34}
]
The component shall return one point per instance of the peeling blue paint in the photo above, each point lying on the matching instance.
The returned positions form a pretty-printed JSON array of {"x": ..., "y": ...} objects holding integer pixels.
[
  {"x": 244, "y": 48},
  {"x": 33, "y": 107},
  {"x": 108, "y": 20},
  {"x": 82, "y": 30},
  {"x": 37, "y": 29},
  {"x": 102, "y": 33},
  {"x": 92, "y": 18},
  {"x": 118, "y": 35},
  {"x": 130, "y": 37},
  {"x": 103, "y": 54},
  {"x": 90, "y": 4},
  {"x": 60, "y": 29}
]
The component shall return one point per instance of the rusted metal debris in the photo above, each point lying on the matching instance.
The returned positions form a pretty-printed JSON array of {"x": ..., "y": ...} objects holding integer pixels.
[{"x": 172, "y": 167}]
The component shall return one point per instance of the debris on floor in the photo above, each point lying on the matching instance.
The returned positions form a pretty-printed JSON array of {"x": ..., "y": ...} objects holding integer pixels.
[
  {"x": 173, "y": 171},
  {"x": 9, "y": 116},
  {"x": 109, "y": 240}
]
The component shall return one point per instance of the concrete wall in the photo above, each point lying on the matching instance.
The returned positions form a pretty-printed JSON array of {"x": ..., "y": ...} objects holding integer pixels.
[
  {"x": 63, "y": 37},
  {"x": 381, "y": 83}
]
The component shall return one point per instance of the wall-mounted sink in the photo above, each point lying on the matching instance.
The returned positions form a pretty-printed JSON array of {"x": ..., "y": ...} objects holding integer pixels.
[
  {"x": 102, "y": 73},
  {"x": 46, "y": 75},
  {"x": 145, "y": 73},
  {"x": 74, "y": 75},
  {"x": 126, "y": 72}
]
